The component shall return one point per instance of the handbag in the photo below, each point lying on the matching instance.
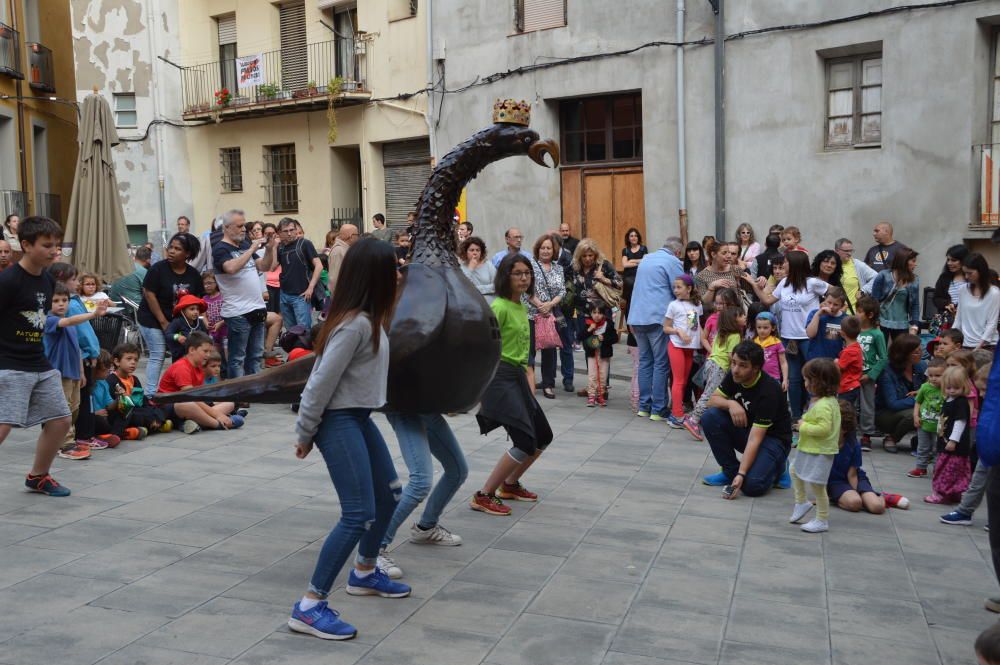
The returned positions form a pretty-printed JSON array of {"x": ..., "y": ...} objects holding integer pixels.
[{"x": 546, "y": 334}]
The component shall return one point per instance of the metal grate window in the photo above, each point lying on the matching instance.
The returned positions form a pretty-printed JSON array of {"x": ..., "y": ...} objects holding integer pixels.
[
  {"x": 125, "y": 113},
  {"x": 854, "y": 101},
  {"x": 232, "y": 170},
  {"x": 280, "y": 178}
]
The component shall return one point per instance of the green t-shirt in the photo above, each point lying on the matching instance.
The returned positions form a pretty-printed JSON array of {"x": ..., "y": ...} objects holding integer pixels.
[
  {"x": 722, "y": 349},
  {"x": 931, "y": 400},
  {"x": 876, "y": 355},
  {"x": 514, "y": 335}
]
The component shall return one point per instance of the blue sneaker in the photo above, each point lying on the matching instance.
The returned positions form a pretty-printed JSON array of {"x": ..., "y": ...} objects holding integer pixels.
[
  {"x": 321, "y": 622},
  {"x": 45, "y": 485},
  {"x": 715, "y": 480},
  {"x": 237, "y": 421},
  {"x": 676, "y": 423},
  {"x": 956, "y": 517},
  {"x": 784, "y": 481},
  {"x": 376, "y": 584}
]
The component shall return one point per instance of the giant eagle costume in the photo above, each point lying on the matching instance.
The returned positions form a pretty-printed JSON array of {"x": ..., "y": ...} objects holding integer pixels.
[{"x": 444, "y": 340}]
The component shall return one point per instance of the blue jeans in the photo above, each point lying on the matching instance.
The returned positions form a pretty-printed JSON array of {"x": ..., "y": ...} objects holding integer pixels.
[
  {"x": 726, "y": 439},
  {"x": 567, "y": 335},
  {"x": 295, "y": 310},
  {"x": 653, "y": 368},
  {"x": 363, "y": 475},
  {"x": 796, "y": 387},
  {"x": 157, "y": 345},
  {"x": 246, "y": 346},
  {"x": 423, "y": 438}
]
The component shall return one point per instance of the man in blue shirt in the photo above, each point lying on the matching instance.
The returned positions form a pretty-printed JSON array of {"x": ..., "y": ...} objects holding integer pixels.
[
  {"x": 652, "y": 293},
  {"x": 514, "y": 238}
]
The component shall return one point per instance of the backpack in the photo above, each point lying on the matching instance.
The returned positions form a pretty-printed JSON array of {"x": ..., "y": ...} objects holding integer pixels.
[{"x": 988, "y": 428}]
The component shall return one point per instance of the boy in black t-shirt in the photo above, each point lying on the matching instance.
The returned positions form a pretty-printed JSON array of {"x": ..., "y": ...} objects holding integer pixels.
[
  {"x": 30, "y": 389},
  {"x": 748, "y": 414}
]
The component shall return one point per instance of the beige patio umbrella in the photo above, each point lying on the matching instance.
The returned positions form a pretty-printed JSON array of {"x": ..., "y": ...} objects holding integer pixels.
[{"x": 95, "y": 225}]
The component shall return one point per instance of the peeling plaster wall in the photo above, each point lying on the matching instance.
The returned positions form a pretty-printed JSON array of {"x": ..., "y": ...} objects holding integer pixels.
[{"x": 113, "y": 51}]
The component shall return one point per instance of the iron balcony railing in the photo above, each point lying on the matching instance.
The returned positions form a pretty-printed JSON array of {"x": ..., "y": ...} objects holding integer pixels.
[
  {"x": 988, "y": 156},
  {"x": 13, "y": 202},
  {"x": 41, "y": 75},
  {"x": 288, "y": 74},
  {"x": 48, "y": 205},
  {"x": 10, "y": 52}
]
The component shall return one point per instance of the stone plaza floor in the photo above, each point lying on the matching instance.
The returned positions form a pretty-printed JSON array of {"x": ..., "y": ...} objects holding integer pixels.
[{"x": 191, "y": 550}]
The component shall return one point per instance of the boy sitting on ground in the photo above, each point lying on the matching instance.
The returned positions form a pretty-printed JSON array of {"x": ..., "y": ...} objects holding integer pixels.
[{"x": 188, "y": 372}]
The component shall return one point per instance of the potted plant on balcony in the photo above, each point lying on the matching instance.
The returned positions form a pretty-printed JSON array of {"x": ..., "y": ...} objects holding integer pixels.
[
  {"x": 267, "y": 91},
  {"x": 332, "y": 92},
  {"x": 311, "y": 87},
  {"x": 223, "y": 97}
]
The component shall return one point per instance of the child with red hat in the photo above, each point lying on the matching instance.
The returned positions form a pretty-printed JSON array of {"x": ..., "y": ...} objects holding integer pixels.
[{"x": 187, "y": 319}]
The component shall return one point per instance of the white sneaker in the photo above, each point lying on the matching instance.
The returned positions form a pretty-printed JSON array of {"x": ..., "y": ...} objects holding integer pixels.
[
  {"x": 191, "y": 427},
  {"x": 816, "y": 526},
  {"x": 438, "y": 535},
  {"x": 799, "y": 511},
  {"x": 389, "y": 566}
]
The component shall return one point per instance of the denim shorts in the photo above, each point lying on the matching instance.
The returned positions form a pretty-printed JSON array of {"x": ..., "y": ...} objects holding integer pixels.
[
  {"x": 30, "y": 398},
  {"x": 836, "y": 488}
]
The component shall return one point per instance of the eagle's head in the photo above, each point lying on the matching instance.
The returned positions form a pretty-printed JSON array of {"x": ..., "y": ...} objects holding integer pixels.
[{"x": 509, "y": 140}]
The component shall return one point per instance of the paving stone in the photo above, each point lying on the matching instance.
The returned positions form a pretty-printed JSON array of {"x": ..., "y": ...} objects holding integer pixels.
[
  {"x": 88, "y": 535},
  {"x": 588, "y": 600},
  {"x": 170, "y": 591},
  {"x": 127, "y": 488},
  {"x": 20, "y": 562},
  {"x": 129, "y": 560},
  {"x": 616, "y": 658},
  {"x": 15, "y": 533},
  {"x": 439, "y": 646},
  {"x": 223, "y": 627},
  {"x": 754, "y": 622},
  {"x": 54, "y": 513},
  {"x": 458, "y": 606},
  {"x": 534, "y": 639},
  {"x": 547, "y": 539},
  {"x": 697, "y": 558},
  {"x": 243, "y": 554},
  {"x": 622, "y": 564},
  {"x": 613, "y": 531},
  {"x": 879, "y": 618},
  {"x": 709, "y": 530},
  {"x": 493, "y": 567},
  {"x": 62, "y": 594},
  {"x": 200, "y": 528},
  {"x": 859, "y": 650},
  {"x": 650, "y": 630},
  {"x": 134, "y": 654},
  {"x": 288, "y": 648},
  {"x": 760, "y": 654}
]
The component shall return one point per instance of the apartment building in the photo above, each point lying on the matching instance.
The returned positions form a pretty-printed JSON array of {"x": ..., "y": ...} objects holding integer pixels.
[
  {"x": 829, "y": 127},
  {"x": 38, "y": 121},
  {"x": 293, "y": 109}
]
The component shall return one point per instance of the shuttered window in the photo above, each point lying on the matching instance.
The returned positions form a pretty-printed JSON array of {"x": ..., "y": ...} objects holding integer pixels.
[
  {"x": 227, "y": 52},
  {"x": 531, "y": 15},
  {"x": 227, "y": 29},
  {"x": 294, "y": 63},
  {"x": 407, "y": 168}
]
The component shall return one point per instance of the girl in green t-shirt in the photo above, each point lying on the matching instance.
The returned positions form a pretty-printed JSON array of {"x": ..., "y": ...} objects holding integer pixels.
[
  {"x": 732, "y": 322},
  {"x": 509, "y": 401}
]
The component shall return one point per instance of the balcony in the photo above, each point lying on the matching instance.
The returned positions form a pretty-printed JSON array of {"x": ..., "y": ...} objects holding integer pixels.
[
  {"x": 294, "y": 80},
  {"x": 10, "y": 52},
  {"x": 48, "y": 205},
  {"x": 13, "y": 202},
  {"x": 988, "y": 156},
  {"x": 41, "y": 75}
]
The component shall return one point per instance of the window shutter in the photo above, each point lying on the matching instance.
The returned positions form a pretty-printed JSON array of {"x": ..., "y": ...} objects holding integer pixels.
[
  {"x": 542, "y": 14},
  {"x": 294, "y": 63},
  {"x": 227, "y": 29},
  {"x": 407, "y": 168}
]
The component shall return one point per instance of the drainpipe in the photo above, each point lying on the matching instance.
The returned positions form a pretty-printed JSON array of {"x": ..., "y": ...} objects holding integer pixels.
[
  {"x": 681, "y": 165},
  {"x": 720, "y": 119},
  {"x": 428, "y": 7},
  {"x": 20, "y": 120},
  {"x": 157, "y": 105}
]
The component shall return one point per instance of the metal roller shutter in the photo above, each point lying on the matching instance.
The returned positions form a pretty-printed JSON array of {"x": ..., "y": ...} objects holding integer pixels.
[
  {"x": 542, "y": 14},
  {"x": 407, "y": 168},
  {"x": 294, "y": 62},
  {"x": 227, "y": 29}
]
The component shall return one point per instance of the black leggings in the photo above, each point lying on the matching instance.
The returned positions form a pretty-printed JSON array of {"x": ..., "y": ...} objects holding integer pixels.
[{"x": 85, "y": 415}]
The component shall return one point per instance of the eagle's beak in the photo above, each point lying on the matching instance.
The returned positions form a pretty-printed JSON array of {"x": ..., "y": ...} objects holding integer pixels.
[{"x": 539, "y": 149}]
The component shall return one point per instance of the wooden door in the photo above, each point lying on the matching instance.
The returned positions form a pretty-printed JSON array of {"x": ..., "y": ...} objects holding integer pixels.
[{"x": 603, "y": 204}]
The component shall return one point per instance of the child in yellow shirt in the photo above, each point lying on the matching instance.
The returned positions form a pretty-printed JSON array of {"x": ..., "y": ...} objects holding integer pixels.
[{"x": 819, "y": 441}]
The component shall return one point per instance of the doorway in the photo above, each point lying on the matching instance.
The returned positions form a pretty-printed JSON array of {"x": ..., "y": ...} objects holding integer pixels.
[{"x": 603, "y": 203}]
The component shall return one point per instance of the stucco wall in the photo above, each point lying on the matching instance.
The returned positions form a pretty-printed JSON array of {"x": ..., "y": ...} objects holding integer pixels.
[
  {"x": 114, "y": 42},
  {"x": 923, "y": 178}
]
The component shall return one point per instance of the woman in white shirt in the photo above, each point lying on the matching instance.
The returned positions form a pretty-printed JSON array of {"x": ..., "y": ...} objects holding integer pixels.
[
  {"x": 748, "y": 246},
  {"x": 978, "y": 305},
  {"x": 476, "y": 267},
  {"x": 797, "y": 295}
]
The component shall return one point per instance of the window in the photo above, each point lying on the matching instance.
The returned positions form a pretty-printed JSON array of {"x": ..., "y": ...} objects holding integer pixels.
[
  {"x": 400, "y": 9},
  {"x": 226, "y": 29},
  {"x": 532, "y": 15},
  {"x": 281, "y": 181},
  {"x": 125, "y": 115},
  {"x": 854, "y": 101},
  {"x": 602, "y": 129},
  {"x": 232, "y": 170}
]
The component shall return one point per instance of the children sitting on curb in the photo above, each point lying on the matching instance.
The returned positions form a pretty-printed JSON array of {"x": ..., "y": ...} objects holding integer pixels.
[{"x": 188, "y": 372}]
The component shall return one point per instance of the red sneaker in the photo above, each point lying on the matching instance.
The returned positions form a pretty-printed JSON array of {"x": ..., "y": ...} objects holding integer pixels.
[
  {"x": 896, "y": 500},
  {"x": 917, "y": 473},
  {"x": 273, "y": 362},
  {"x": 74, "y": 451},
  {"x": 490, "y": 505},
  {"x": 110, "y": 439},
  {"x": 135, "y": 433},
  {"x": 515, "y": 492}
]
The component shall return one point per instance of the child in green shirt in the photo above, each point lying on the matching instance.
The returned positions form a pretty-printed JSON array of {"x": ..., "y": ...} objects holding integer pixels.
[
  {"x": 819, "y": 441},
  {"x": 732, "y": 321},
  {"x": 876, "y": 356},
  {"x": 926, "y": 411}
]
